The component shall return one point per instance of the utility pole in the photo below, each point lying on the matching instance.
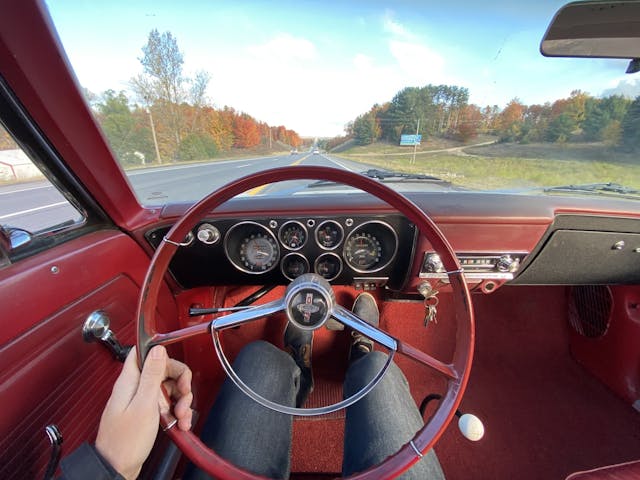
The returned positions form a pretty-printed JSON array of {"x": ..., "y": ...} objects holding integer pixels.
[
  {"x": 415, "y": 142},
  {"x": 153, "y": 134}
]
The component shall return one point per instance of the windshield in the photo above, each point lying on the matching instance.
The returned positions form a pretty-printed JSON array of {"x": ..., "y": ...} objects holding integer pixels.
[{"x": 191, "y": 96}]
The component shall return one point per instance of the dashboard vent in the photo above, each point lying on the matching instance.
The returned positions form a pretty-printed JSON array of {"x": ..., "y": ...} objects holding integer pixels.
[{"x": 590, "y": 310}]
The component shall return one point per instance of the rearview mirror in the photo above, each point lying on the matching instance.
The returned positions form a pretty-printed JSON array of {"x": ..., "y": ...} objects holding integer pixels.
[{"x": 597, "y": 29}]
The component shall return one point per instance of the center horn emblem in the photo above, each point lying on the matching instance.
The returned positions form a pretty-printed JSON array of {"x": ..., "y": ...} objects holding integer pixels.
[{"x": 307, "y": 308}]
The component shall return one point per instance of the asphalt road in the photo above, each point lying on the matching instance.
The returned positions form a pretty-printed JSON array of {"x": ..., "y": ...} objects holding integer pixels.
[{"x": 38, "y": 205}]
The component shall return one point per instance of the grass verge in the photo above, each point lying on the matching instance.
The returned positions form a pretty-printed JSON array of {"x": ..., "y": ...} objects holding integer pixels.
[{"x": 504, "y": 171}]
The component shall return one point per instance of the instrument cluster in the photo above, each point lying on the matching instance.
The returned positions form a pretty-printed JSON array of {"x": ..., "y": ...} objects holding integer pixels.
[
  {"x": 343, "y": 249},
  {"x": 297, "y": 247}
]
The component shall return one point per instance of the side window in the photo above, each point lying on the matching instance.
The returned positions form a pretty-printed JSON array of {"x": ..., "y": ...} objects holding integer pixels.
[{"x": 28, "y": 201}]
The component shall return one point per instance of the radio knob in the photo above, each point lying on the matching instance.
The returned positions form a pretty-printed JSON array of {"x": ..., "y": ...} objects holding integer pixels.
[
  {"x": 506, "y": 263},
  {"x": 433, "y": 264}
]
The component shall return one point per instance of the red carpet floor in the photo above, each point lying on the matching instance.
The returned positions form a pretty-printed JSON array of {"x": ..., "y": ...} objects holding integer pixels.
[{"x": 544, "y": 415}]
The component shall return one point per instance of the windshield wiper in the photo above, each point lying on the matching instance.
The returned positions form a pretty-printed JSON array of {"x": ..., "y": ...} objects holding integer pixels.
[
  {"x": 596, "y": 188},
  {"x": 390, "y": 176}
]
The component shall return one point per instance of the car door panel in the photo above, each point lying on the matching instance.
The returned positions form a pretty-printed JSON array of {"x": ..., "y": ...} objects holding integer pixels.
[{"x": 50, "y": 375}]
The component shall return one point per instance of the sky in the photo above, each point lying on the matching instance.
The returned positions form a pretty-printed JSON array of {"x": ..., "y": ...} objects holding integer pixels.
[{"x": 314, "y": 66}]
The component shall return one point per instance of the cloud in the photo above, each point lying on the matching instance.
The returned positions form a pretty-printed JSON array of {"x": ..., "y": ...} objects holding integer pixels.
[
  {"x": 390, "y": 25},
  {"x": 362, "y": 62},
  {"x": 418, "y": 61},
  {"x": 284, "y": 47},
  {"x": 629, "y": 88}
]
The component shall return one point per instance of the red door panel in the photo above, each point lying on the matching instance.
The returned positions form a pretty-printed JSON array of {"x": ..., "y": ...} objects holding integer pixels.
[{"x": 49, "y": 374}]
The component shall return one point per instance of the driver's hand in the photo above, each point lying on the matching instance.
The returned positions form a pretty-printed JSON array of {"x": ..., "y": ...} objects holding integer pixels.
[{"x": 129, "y": 423}]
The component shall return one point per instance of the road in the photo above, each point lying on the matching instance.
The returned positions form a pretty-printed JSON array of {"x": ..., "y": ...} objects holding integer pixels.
[{"x": 38, "y": 205}]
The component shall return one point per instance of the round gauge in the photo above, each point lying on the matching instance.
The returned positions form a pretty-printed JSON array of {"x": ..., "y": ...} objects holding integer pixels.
[
  {"x": 251, "y": 248},
  {"x": 293, "y": 265},
  {"x": 293, "y": 235},
  {"x": 258, "y": 252},
  {"x": 328, "y": 266},
  {"x": 362, "y": 251},
  {"x": 370, "y": 247},
  {"x": 329, "y": 234}
]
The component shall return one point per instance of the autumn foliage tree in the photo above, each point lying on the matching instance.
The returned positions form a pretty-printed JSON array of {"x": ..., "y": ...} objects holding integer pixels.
[
  {"x": 246, "y": 132},
  {"x": 469, "y": 122},
  {"x": 510, "y": 121},
  {"x": 443, "y": 110},
  {"x": 173, "y": 113}
]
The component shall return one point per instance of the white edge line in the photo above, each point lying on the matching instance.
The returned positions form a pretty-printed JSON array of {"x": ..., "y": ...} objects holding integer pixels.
[
  {"x": 33, "y": 210},
  {"x": 26, "y": 189},
  {"x": 339, "y": 164}
]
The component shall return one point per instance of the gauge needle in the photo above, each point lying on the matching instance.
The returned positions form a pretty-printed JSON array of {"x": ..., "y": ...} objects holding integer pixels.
[{"x": 260, "y": 253}]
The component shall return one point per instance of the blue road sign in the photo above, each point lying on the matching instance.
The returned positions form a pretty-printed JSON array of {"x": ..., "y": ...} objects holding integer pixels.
[{"x": 410, "y": 140}]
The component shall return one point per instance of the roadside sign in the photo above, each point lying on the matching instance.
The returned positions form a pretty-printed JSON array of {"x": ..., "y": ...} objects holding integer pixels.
[{"x": 410, "y": 140}]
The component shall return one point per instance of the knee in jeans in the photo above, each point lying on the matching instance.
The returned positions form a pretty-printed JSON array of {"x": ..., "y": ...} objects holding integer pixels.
[
  {"x": 253, "y": 352},
  {"x": 373, "y": 361},
  {"x": 262, "y": 354},
  {"x": 365, "y": 368}
]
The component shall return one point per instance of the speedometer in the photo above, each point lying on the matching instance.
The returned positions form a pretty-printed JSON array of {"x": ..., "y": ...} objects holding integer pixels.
[
  {"x": 258, "y": 252},
  {"x": 362, "y": 251},
  {"x": 252, "y": 248}
]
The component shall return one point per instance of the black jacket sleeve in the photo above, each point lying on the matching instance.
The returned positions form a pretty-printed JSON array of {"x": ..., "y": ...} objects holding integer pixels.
[{"x": 86, "y": 463}]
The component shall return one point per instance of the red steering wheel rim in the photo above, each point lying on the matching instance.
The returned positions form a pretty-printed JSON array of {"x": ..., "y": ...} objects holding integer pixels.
[{"x": 425, "y": 438}]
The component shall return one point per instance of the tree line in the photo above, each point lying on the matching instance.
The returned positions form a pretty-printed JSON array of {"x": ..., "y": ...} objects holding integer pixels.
[
  {"x": 444, "y": 111},
  {"x": 167, "y": 117}
]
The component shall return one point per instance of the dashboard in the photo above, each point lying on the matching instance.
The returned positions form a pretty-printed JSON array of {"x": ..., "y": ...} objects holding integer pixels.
[
  {"x": 366, "y": 251},
  {"x": 358, "y": 240}
]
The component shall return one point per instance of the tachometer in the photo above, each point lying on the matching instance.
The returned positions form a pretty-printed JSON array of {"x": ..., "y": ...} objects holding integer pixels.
[
  {"x": 370, "y": 247},
  {"x": 362, "y": 251}
]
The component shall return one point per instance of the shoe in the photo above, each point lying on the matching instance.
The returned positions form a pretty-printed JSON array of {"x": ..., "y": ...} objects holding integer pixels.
[
  {"x": 299, "y": 344},
  {"x": 366, "y": 308}
]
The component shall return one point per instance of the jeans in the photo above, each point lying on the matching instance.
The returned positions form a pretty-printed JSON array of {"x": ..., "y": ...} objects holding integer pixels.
[{"x": 259, "y": 440}]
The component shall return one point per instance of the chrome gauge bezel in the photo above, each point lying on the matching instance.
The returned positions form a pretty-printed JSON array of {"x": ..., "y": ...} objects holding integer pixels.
[
  {"x": 234, "y": 257},
  {"x": 386, "y": 259},
  {"x": 338, "y": 243},
  {"x": 287, "y": 257},
  {"x": 298, "y": 224},
  {"x": 328, "y": 254}
]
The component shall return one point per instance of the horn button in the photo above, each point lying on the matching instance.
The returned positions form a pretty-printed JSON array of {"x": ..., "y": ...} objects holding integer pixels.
[{"x": 309, "y": 301}]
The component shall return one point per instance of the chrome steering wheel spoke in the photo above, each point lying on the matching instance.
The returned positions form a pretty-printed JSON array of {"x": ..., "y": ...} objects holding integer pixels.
[
  {"x": 245, "y": 316},
  {"x": 351, "y": 320}
]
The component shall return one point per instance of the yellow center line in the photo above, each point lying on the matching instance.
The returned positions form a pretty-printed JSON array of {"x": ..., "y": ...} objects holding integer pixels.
[{"x": 257, "y": 190}]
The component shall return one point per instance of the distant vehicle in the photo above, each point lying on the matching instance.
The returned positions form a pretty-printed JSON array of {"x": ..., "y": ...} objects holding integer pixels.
[
  {"x": 316, "y": 151},
  {"x": 294, "y": 151}
]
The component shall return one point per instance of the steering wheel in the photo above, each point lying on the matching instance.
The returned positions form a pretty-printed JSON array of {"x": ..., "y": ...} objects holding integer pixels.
[{"x": 294, "y": 303}]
